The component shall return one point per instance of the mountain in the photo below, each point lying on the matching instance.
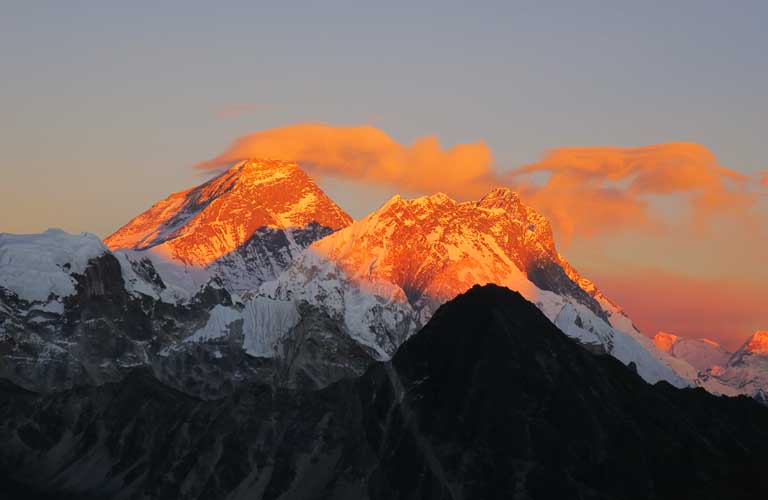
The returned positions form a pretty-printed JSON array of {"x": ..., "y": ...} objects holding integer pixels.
[
  {"x": 384, "y": 276},
  {"x": 488, "y": 400},
  {"x": 709, "y": 365},
  {"x": 256, "y": 275},
  {"x": 702, "y": 354},
  {"x": 73, "y": 313},
  {"x": 243, "y": 226},
  {"x": 747, "y": 368}
]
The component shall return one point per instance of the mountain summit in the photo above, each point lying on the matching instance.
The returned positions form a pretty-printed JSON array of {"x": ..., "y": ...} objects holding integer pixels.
[
  {"x": 434, "y": 248},
  {"x": 205, "y": 223},
  {"x": 758, "y": 343},
  {"x": 244, "y": 226}
]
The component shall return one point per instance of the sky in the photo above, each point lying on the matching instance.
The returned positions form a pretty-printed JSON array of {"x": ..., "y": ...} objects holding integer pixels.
[{"x": 108, "y": 107}]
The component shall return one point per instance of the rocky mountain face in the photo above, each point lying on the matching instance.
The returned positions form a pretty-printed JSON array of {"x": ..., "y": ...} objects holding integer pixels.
[
  {"x": 244, "y": 226},
  {"x": 489, "y": 400},
  {"x": 72, "y": 313}
]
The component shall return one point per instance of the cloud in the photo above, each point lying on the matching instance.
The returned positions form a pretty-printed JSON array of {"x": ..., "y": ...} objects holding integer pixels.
[
  {"x": 590, "y": 190},
  {"x": 585, "y": 191},
  {"x": 368, "y": 154}
]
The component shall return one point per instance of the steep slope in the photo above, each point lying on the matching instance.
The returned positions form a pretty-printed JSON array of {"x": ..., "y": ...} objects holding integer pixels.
[
  {"x": 244, "y": 225},
  {"x": 385, "y": 275},
  {"x": 702, "y": 354},
  {"x": 489, "y": 400}
]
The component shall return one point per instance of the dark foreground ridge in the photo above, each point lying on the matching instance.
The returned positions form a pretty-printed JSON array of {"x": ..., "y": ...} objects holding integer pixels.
[{"x": 488, "y": 401}]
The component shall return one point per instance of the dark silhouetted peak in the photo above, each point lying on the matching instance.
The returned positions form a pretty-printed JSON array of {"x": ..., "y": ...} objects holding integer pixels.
[{"x": 490, "y": 400}]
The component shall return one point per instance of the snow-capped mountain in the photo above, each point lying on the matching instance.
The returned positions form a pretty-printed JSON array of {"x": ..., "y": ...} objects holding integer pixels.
[
  {"x": 710, "y": 366},
  {"x": 747, "y": 369},
  {"x": 74, "y": 313},
  {"x": 385, "y": 275},
  {"x": 37, "y": 267},
  {"x": 702, "y": 354},
  {"x": 258, "y": 275},
  {"x": 243, "y": 226}
]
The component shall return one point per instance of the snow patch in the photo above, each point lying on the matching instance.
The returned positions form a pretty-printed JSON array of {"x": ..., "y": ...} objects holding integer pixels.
[
  {"x": 218, "y": 324},
  {"x": 266, "y": 323},
  {"x": 36, "y": 265}
]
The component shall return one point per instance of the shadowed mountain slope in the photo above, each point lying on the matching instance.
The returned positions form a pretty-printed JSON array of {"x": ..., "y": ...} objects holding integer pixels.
[{"x": 489, "y": 400}]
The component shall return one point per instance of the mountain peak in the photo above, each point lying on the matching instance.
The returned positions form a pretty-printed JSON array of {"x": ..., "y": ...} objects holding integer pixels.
[
  {"x": 501, "y": 197},
  {"x": 664, "y": 340},
  {"x": 439, "y": 197},
  {"x": 204, "y": 223},
  {"x": 434, "y": 247},
  {"x": 262, "y": 170},
  {"x": 758, "y": 343}
]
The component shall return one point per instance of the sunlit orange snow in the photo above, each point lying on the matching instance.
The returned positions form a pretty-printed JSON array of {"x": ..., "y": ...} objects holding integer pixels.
[{"x": 199, "y": 225}]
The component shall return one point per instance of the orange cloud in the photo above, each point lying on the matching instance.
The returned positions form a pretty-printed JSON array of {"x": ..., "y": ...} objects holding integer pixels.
[
  {"x": 589, "y": 190},
  {"x": 584, "y": 191},
  {"x": 368, "y": 154}
]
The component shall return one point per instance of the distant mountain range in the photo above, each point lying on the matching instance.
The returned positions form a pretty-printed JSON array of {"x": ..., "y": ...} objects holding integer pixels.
[
  {"x": 258, "y": 275},
  {"x": 742, "y": 372}
]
